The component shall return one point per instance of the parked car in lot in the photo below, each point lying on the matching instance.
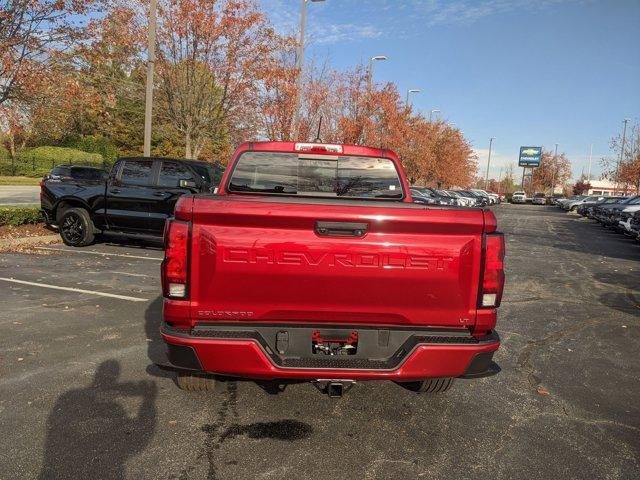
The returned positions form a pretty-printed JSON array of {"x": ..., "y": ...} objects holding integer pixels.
[
  {"x": 479, "y": 200},
  {"x": 461, "y": 199},
  {"x": 431, "y": 196},
  {"x": 469, "y": 198},
  {"x": 519, "y": 197},
  {"x": 607, "y": 214},
  {"x": 618, "y": 213},
  {"x": 539, "y": 199},
  {"x": 135, "y": 199},
  {"x": 635, "y": 225},
  {"x": 598, "y": 210},
  {"x": 555, "y": 198},
  {"x": 622, "y": 217},
  {"x": 496, "y": 198},
  {"x": 572, "y": 205},
  {"x": 565, "y": 201},
  {"x": 490, "y": 199},
  {"x": 294, "y": 272},
  {"x": 586, "y": 209}
]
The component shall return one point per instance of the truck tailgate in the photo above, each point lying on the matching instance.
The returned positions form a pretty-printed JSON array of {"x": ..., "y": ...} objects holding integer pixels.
[{"x": 303, "y": 260}]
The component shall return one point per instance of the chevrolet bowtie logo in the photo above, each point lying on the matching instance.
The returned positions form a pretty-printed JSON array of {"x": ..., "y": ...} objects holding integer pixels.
[{"x": 530, "y": 151}]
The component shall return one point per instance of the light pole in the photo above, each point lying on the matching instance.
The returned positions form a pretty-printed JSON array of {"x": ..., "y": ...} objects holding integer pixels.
[
  {"x": 151, "y": 58},
  {"x": 486, "y": 178},
  {"x": 553, "y": 175},
  {"x": 300, "y": 56},
  {"x": 377, "y": 58},
  {"x": 410, "y": 91},
  {"x": 624, "y": 135},
  {"x": 431, "y": 114},
  {"x": 590, "y": 157}
]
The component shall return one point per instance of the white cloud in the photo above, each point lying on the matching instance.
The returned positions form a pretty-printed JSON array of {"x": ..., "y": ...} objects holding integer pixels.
[
  {"x": 285, "y": 16},
  {"x": 441, "y": 12},
  {"x": 388, "y": 17},
  {"x": 342, "y": 32}
]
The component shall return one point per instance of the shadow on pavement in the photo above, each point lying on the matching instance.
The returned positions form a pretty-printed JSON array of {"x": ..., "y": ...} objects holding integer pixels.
[
  {"x": 90, "y": 434},
  {"x": 626, "y": 299},
  {"x": 575, "y": 234},
  {"x": 156, "y": 348},
  {"x": 131, "y": 242}
]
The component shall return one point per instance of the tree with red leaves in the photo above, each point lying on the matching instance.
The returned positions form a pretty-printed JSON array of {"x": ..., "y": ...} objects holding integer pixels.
[
  {"x": 581, "y": 187},
  {"x": 31, "y": 33},
  {"x": 625, "y": 171},
  {"x": 551, "y": 172},
  {"x": 213, "y": 56}
]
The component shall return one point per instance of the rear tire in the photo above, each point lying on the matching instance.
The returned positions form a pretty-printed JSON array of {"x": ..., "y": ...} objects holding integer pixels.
[
  {"x": 76, "y": 227},
  {"x": 195, "y": 382},
  {"x": 430, "y": 386}
]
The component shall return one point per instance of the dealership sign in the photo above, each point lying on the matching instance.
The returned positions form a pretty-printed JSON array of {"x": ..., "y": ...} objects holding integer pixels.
[{"x": 530, "y": 156}]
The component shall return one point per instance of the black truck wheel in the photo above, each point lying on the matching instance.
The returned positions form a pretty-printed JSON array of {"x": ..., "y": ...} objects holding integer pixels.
[
  {"x": 195, "y": 382},
  {"x": 432, "y": 385},
  {"x": 76, "y": 227}
]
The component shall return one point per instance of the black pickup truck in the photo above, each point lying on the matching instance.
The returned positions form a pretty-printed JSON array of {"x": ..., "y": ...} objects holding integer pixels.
[{"x": 134, "y": 199}]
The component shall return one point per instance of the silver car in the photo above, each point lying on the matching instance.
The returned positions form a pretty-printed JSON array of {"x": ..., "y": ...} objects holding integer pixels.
[{"x": 574, "y": 204}]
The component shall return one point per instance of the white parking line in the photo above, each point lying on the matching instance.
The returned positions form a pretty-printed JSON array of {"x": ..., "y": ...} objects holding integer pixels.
[
  {"x": 128, "y": 274},
  {"x": 78, "y": 290},
  {"x": 100, "y": 253}
]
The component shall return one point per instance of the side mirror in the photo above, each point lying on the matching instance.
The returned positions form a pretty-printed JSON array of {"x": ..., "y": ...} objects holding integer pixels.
[{"x": 187, "y": 184}]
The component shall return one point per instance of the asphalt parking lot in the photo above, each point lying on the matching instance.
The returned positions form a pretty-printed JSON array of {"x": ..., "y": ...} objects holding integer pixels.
[{"x": 80, "y": 396}]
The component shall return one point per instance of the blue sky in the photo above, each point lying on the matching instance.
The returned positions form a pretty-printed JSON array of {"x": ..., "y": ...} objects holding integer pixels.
[{"x": 528, "y": 72}]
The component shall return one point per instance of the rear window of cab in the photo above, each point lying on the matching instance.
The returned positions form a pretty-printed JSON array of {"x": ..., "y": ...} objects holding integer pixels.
[{"x": 341, "y": 176}]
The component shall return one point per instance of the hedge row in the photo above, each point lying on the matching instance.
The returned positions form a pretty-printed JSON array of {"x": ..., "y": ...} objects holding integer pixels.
[
  {"x": 19, "y": 215},
  {"x": 37, "y": 162},
  {"x": 93, "y": 144}
]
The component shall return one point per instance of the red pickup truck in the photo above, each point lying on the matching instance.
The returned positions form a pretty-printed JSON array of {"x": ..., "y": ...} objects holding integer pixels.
[{"x": 312, "y": 263}]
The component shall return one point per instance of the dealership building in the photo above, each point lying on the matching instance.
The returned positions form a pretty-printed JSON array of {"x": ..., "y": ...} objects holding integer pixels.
[{"x": 605, "y": 188}]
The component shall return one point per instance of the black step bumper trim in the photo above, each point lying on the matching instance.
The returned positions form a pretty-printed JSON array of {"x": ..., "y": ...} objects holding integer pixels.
[{"x": 371, "y": 354}]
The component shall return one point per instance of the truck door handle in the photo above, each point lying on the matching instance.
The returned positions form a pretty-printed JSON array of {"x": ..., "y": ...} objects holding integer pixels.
[{"x": 341, "y": 229}]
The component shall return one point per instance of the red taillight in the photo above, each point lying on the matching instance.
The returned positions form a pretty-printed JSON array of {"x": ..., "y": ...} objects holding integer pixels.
[
  {"x": 492, "y": 272},
  {"x": 174, "y": 266},
  {"x": 42, "y": 189}
]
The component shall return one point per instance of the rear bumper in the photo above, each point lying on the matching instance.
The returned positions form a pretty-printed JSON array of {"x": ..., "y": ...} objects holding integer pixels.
[{"x": 383, "y": 354}]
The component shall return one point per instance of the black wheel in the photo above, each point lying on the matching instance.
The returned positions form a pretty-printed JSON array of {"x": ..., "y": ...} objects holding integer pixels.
[
  {"x": 76, "y": 227},
  {"x": 196, "y": 382},
  {"x": 432, "y": 385}
]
